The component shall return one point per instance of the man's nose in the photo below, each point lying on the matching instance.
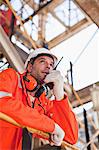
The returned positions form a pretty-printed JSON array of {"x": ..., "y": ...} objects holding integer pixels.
[{"x": 48, "y": 66}]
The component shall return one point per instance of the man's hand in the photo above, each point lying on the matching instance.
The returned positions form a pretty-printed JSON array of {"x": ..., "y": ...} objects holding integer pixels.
[
  {"x": 57, "y": 135},
  {"x": 57, "y": 79}
]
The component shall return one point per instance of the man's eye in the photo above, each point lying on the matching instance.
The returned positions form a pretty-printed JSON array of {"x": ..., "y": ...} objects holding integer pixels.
[
  {"x": 52, "y": 65},
  {"x": 42, "y": 61}
]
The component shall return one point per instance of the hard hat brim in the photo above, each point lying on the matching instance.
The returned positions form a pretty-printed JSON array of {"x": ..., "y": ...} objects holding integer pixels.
[{"x": 42, "y": 51}]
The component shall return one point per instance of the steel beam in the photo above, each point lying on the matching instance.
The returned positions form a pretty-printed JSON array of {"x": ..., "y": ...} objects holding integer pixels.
[{"x": 10, "y": 52}]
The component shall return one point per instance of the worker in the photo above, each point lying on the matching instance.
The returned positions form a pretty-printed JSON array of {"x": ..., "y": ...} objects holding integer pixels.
[{"x": 24, "y": 98}]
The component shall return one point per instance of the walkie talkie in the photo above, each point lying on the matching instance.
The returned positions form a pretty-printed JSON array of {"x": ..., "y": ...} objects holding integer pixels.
[{"x": 50, "y": 84}]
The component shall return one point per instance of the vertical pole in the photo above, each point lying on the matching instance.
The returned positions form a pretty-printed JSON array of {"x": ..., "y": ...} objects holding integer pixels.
[
  {"x": 71, "y": 72},
  {"x": 86, "y": 128}
]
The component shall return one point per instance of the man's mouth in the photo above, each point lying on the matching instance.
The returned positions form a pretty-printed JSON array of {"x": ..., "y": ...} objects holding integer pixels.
[{"x": 45, "y": 74}]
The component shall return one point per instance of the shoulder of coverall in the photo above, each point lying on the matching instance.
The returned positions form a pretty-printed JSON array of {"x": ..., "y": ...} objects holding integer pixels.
[{"x": 12, "y": 74}]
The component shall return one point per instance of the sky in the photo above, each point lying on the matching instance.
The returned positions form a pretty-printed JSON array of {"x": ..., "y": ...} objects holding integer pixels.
[{"x": 83, "y": 56}]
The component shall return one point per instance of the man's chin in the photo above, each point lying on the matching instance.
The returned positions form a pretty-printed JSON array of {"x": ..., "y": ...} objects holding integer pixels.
[{"x": 41, "y": 81}]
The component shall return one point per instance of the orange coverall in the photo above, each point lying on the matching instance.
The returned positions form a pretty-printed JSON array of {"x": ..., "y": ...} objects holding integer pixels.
[{"x": 15, "y": 103}]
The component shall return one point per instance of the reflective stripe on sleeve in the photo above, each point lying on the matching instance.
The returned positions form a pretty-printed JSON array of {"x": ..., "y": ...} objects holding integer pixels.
[
  {"x": 3, "y": 94},
  {"x": 19, "y": 81}
]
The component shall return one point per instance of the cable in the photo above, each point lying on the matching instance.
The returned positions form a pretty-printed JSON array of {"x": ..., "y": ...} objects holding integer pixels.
[
  {"x": 85, "y": 46},
  {"x": 69, "y": 13}
]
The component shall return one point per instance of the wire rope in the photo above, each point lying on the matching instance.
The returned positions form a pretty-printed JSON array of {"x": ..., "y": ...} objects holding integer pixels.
[{"x": 85, "y": 46}]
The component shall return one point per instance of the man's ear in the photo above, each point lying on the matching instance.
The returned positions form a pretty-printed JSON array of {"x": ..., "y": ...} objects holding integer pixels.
[{"x": 29, "y": 68}]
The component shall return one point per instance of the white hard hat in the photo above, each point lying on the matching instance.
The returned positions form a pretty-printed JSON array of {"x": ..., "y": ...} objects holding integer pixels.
[{"x": 41, "y": 51}]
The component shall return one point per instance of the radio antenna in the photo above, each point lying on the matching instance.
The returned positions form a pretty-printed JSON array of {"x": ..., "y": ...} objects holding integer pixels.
[{"x": 58, "y": 63}]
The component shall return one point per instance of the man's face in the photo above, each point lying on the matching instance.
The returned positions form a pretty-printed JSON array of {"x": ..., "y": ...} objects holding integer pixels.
[{"x": 41, "y": 67}]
